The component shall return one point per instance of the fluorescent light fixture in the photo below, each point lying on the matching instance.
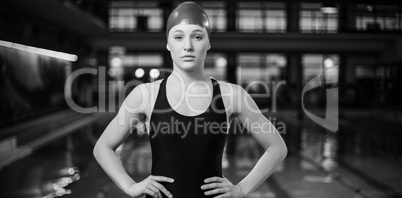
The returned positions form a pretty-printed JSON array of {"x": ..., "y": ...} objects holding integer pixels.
[
  {"x": 221, "y": 62},
  {"x": 116, "y": 62},
  {"x": 154, "y": 73},
  {"x": 139, "y": 73},
  {"x": 40, "y": 51},
  {"x": 329, "y": 8},
  {"x": 328, "y": 63}
]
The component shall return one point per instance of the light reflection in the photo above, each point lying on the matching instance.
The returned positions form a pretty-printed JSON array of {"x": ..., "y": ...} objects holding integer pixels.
[
  {"x": 221, "y": 62},
  {"x": 116, "y": 62},
  {"x": 69, "y": 171},
  {"x": 112, "y": 72},
  {"x": 329, "y": 153},
  {"x": 318, "y": 179},
  {"x": 311, "y": 145},
  {"x": 328, "y": 63},
  {"x": 306, "y": 165},
  {"x": 77, "y": 177},
  {"x": 57, "y": 187},
  {"x": 154, "y": 73},
  {"x": 139, "y": 73}
]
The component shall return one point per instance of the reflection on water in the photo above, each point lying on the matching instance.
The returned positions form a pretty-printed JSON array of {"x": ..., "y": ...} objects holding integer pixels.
[
  {"x": 319, "y": 147},
  {"x": 358, "y": 157},
  {"x": 321, "y": 179},
  {"x": 47, "y": 173},
  {"x": 329, "y": 152},
  {"x": 58, "y": 187},
  {"x": 51, "y": 170}
]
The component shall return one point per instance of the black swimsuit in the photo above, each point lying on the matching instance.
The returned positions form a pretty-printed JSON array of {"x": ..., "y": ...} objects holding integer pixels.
[{"x": 187, "y": 148}]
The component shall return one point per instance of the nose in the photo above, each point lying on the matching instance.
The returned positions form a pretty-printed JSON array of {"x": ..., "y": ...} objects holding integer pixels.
[{"x": 188, "y": 45}]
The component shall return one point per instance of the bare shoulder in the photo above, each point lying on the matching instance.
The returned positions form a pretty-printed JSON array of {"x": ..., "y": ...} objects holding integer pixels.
[
  {"x": 236, "y": 98},
  {"x": 152, "y": 85},
  {"x": 231, "y": 93},
  {"x": 142, "y": 96},
  {"x": 230, "y": 89}
]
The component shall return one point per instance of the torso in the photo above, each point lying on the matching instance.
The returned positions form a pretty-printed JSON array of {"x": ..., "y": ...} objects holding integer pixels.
[{"x": 186, "y": 145}]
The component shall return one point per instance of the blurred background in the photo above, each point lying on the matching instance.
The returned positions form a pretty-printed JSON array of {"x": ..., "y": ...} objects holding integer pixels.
[{"x": 66, "y": 66}]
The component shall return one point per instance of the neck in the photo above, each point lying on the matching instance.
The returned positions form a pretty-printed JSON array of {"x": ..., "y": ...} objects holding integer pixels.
[{"x": 187, "y": 77}]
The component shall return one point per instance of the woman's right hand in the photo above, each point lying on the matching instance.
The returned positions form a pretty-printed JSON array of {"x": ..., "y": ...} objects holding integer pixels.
[{"x": 150, "y": 186}]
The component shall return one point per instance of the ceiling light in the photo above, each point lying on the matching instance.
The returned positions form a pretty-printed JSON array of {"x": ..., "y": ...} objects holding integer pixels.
[
  {"x": 329, "y": 8},
  {"x": 40, "y": 51}
]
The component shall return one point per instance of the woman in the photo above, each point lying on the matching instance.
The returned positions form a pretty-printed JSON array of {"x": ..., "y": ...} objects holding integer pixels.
[{"x": 187, "y": 115}]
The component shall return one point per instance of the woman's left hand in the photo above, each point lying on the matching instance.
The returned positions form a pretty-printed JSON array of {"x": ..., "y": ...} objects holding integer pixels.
[{"x": 223, "y": 187}]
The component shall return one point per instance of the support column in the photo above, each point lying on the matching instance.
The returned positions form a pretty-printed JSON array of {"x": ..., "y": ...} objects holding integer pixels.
[
  {"x": 342, "y": 85},
  {"x": 295, "y": 86},
  {"x": 231, "y": 15},
  {"x": 351, "y": 17},
  {"x": 292, "y": 16},
  {"x": 167, "y": 64},
  {"x": 295, "y": 80},
  {"x": 231, "y": 71},
  {"x": 343, "y": 18},
  {"x": 167, "y": 8}
]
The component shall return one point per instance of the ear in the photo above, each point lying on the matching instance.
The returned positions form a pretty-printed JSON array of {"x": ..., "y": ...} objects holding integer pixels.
[
  {"x": 167, "y": 47},
  {"x": 209, "y": 46}
]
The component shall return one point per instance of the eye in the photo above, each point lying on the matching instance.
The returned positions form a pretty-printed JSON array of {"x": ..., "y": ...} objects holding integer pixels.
[
  {"x": 198, "y": 37},
  {"x": 178, "y": 37}
]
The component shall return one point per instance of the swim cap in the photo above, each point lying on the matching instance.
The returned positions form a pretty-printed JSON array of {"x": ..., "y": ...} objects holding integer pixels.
[{"x": 188, "y": 13}]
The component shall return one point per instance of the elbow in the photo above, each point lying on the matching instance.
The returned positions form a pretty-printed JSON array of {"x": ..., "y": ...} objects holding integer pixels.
[
  {"x": 280, "y": 149},
  {"x": 100, "y": 149},
  {"x": 284, "y": 152},
  {"x": 96, "y": 151}
]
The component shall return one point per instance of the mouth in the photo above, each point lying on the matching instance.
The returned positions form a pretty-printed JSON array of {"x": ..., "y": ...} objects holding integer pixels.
[{"x": 188, "y": 57}]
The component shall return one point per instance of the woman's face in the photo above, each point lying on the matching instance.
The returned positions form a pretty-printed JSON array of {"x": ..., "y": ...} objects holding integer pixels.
[{"x": 188, "y": 46}]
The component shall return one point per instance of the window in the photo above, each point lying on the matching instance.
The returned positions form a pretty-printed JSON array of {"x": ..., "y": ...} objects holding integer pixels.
[
  {"x": 379, "y": 17},
  {"x": 261, "y": 75},
  {"x": 313, "y": 20},
  {"x": 124, "y": 66},
  {"x": 135, "y": 15},
  {"x": 263, "y": 67},
  {"x": 319, "y": 64},
  {"x": 319, "y": 71},
  {"x": 261, "y": 17}
]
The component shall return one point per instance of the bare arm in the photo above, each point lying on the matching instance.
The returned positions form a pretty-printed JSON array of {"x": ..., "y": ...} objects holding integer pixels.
[
  {"x": 115, "y": 133},
  {"x": 266, "y": 135}
]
